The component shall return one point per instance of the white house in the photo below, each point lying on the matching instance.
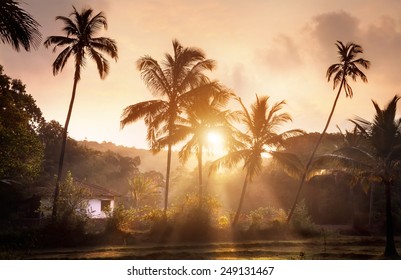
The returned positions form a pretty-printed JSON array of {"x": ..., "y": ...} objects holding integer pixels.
[{"x": 100, "y": 200}]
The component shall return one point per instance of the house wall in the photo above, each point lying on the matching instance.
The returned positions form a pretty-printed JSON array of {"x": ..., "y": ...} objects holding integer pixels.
[{"x": 94, "y": 208}]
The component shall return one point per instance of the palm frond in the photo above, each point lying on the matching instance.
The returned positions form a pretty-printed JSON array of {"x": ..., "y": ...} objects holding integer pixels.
[
  {"x": 335, "y": 161},
  {"x": 153, "y": 76},
  {"x": 18, "y": 27},
  {"x": 290, "y": 163},
  {"x": 139, "y": 110},
  {"x": 229, "y": 161}
]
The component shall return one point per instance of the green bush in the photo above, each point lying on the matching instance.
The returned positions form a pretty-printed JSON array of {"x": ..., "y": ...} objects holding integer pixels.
[{"x": 193, "y": 219}]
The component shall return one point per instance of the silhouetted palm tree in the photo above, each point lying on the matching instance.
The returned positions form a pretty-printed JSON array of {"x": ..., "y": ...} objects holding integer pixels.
[
  {"x": 260, "y": 136},
  {"x": 80, "y": 43},
  {"x": 379, "y": 162},
  {"x": 203, "y": 114},
  {"x": 17, "y": 27},
  {"x": 385, "y": 136},
  {"x": 346, "y": 68},
  {"x": 178, "y": 77}
]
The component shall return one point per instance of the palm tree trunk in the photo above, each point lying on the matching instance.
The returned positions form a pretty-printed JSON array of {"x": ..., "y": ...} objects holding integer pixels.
[
  {"x": 371, "y": 210},
  {"x": 241, "y": 201},
  {"x": 63, "y": 144},
  {"x": 200, "y": 171},
  {"x": 390, "y": 250},
  {"x": 167, "y": 179},
  {"x": 314, "y": 152}
]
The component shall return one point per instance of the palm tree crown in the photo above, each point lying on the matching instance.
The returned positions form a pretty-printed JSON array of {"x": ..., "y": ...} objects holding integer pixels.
[
  {"x": 79, "y": 42},
  {"x": 347, "y": 67},
  {"x": 17, "y": 27}
]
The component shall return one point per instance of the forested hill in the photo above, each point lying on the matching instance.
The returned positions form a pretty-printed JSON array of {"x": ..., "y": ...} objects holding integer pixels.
[{"x": 149, "y": 161}]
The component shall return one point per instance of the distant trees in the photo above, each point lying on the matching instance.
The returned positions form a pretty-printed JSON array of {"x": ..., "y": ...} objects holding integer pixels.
[
  {"x": 80, "y": 43},
  {"x": 17, "y": 27},
  {"x": 341, "y": 72},
  {"x": 175, "y": 80}
]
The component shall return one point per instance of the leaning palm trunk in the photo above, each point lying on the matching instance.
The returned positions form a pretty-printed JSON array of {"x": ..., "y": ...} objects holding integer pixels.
[
  {"x": 241, "y": 201},
  {"x": 314, "y": 152},
  {"x": 167, "y": 179},
  {"x": 63, "y": 144},
  {"x": 390, "y": 250}
]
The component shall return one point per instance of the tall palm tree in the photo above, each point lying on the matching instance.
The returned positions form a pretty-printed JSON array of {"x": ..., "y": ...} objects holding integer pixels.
[
  {"x": 341, "y": 72},
  {"x": 203, "y": 114},
  {"x": 174, "y": 81},
  {"x": 18, "y": 27},
  {"x": 379, "y": 161},
  {"x": 79, "y": 42},
  {"x": 260, "y": 136}
]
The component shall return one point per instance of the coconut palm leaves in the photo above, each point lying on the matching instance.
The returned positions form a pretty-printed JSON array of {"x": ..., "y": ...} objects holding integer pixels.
[
  {"x": 348, "y": 67},
  {"x": 79, "y": 42},
  {"x": 380, "y": 162},
  {"x": 260, "y": 135},
  {"x": 175, "y": 80},
  {"x": 17, "y": 27}
]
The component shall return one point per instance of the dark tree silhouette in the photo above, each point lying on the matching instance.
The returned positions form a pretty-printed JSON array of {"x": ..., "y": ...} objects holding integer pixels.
[
  {"x": 80, "y": 43},
  {"x": 17, "y": 27},
  {"x": 378, "y": 160},
  {"x": 346, "y": 68}
]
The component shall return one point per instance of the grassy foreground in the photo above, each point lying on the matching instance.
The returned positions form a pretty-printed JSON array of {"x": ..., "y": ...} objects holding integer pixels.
[{"x": 332, "y": 248}]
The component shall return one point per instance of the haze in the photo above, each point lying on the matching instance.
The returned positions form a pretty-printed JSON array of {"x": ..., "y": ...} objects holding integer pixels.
[{"x": 276, "y": 48}]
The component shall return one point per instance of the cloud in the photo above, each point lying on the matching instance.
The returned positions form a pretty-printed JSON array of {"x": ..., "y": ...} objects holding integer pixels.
[
  {"x": 327, "y": 28},
  {"x": 384, "y": 49},
  {"x": 282, "y": 56}
]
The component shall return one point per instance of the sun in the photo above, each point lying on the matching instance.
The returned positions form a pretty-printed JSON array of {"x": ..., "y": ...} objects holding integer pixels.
[
  {"x": 216, "y": 143},
  {"x": 214, "y": 138}
]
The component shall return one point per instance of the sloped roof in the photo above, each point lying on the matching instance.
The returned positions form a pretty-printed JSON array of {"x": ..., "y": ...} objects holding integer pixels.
[{"x": 96, "y": 191}]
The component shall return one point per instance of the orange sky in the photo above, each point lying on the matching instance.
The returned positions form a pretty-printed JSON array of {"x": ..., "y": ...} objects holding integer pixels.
[{"x": 269, "y": 47}]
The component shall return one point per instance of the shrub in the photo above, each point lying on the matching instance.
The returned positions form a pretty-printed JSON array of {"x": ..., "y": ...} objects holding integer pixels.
[{"x": 301, "y": 222}]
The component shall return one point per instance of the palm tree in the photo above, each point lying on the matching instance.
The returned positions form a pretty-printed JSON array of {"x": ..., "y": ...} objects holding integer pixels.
[
  {"x": 80, "y": 43},
  {"x": 260, "y": 136},
  {"x": 17, "y": 27},
  {"x": 143, "y": 187},
  {"x": 202, "y": 115},
  {"x": 346, "y": 68},
  {"x": 378, "y": 161},
  {"x": 385, "y": 137},
  {"x": 180, "y": 76}
]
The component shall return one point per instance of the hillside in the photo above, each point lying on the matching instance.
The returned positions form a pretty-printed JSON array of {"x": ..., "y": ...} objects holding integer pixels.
[{"x": 149, "y": 161}]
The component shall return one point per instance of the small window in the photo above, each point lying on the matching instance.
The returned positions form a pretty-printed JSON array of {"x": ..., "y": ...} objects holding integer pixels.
[{"x": 105, "y": 205}]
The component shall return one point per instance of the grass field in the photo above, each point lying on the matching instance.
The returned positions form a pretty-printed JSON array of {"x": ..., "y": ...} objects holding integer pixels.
[{"x": 332, "y": 248}]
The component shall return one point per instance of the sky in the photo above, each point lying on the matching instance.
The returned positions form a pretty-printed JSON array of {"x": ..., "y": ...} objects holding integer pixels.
[{"x": 267, "y": 47}]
